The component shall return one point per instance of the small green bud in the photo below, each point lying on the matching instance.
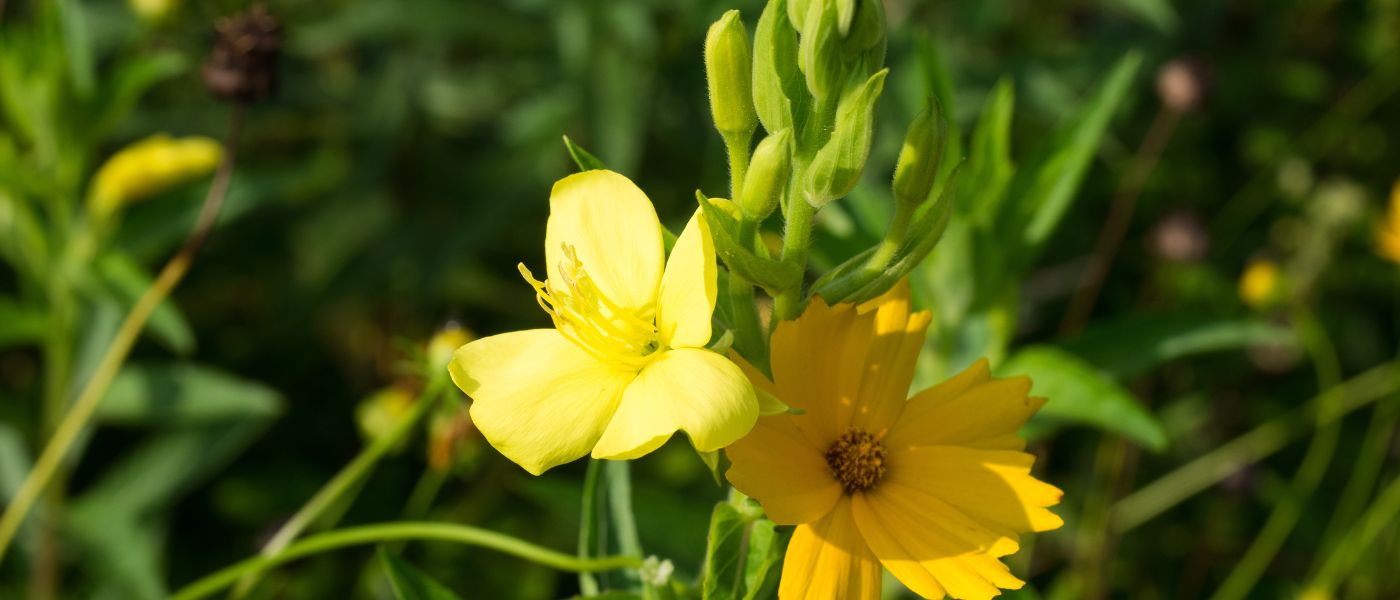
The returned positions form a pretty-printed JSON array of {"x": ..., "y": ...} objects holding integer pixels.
[
  {"x": 819, "y": 51},
  {"x": 917, "y": 166},
  {"x": 727, "y": 65},
  {"x": 777, "y": 82},
  {"x": 767, "y": 176},
  {"x": 845, "y": 13},
  {"x": 797, "y": 12},
  {"x": 837, "y": 166},
  {"x": 868, "y": 28}
]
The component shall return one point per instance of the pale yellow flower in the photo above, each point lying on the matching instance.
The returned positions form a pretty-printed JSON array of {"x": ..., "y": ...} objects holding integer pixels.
[
  {"x": 1261, "y": 284},
  {"x": 149, "y": 167},
  {"x": 935, "y": 488},
  {"x": 625, "y": 366}
]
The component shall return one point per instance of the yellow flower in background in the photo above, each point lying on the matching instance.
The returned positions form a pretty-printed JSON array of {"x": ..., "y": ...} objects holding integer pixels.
[
  {"x": 625, "y": 366},
  {"x": 153, "y": 10},
  {"x": 444, "y": 343},
  {"x": 1388, "y": 236},
  {"x": 935, "y": 488},
  {"x": 149, "y": 167},
  {"x": 378, "y": 414},
  {"x": 1261, "y": 284}
]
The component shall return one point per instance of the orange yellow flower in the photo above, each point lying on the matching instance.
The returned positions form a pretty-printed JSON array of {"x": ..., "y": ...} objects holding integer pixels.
[
  {"x": 935, "y": 488},
  {"x": 1388, "y": 237}
]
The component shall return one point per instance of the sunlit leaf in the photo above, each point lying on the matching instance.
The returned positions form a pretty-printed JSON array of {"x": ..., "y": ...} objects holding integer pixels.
[{"x": 1080, "y": 394}]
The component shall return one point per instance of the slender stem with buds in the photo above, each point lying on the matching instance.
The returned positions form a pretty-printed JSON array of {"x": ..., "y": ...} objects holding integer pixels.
[{"x": 76, "y": 419}]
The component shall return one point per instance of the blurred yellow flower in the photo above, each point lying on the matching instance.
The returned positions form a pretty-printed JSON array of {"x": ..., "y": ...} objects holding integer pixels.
[
  {"x": 381, "y": 411},
  {"x": 444, "y": 343},
  {"x": 935, "y": 488},
  {"x": 1261, "y": 284},
  {"x": 149, "y": 167},
  {"x": 1388, "y": 236},
  {"x": 153, "y": 10},
  {"x": 625, "y": 366}
]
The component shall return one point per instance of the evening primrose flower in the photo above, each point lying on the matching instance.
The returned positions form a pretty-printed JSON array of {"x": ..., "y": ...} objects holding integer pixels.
[
  {"x": 935, "y": 488},
  {"x": 625, "y": 365},
  {"x": 149, "y": 167},
  {"x": 1388, "y": 236}
]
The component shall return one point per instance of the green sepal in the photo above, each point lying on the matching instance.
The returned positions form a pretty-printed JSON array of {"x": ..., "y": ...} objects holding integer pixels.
[
  {"x": 583, "y": 158},
  {"x": 740, "y": 258},
  {"x": 838, "y": 165}
]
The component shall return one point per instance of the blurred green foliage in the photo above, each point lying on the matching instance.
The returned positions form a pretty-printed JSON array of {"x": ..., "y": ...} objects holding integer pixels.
[{"x": 402, "y": 171}]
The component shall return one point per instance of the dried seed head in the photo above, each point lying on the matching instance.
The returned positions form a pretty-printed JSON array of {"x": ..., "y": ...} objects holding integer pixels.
[{"x": 242, "y": 63}]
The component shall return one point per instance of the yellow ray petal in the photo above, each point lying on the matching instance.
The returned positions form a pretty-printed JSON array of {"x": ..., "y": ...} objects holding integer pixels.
[
  {"x": 986, "y": 415},
  {"x": 613, "y": 230},
  {"x": 693, "y": 390},
  {"x": 536, "y": 397},
  {"x": 890, "y": 360},
  {"x": 814, "y": 369},
  {"x": 992, "y": 487},
  {"x": 688, "y": 288},
  {"x": 828, "y": 560},
  {"x": 923, "y": 555},
  {"x": 776, "y": 465}
]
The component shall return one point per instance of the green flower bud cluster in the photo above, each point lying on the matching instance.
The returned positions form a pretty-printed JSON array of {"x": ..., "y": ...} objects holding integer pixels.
[{"x": 811, "y": 78}]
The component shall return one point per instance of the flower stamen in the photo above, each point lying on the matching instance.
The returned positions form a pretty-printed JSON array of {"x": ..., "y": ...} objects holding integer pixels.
[
  {"x": 586, "y": 317},
  {"x": 857, "y": 460}
]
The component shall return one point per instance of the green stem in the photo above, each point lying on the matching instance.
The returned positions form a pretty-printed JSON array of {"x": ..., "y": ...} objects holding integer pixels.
[
  {"x": 387, "y": 532},
  {"x": 1201, "y": 473},
  {"x": 345, "y": 483},
  {"x": 797, "y": 236},
  {"x": 588, "y": 525},
  {"x": 1364, "y": 473},
  {"x": 1315, "y": 461},
  {"x": 894, "y": 238},
  {"x": 76, "y": 419},
  {"x": 1378, "y": 518},
  {"x": 737, "y": 147}
]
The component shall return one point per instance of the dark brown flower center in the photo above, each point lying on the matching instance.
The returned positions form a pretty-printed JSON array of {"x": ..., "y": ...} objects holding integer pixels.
[{"x": 857, "y": 460}]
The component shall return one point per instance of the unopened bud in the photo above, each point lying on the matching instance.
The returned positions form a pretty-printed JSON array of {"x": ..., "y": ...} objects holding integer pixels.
[
  {"x": 819, "y": 51},
  {"x": 767, "y": 176},
  {"x": 382, "y": 411},
  {"x": 242, "y": 64},
  {"x": 775, "y": 64},
  {"x": 797, "y": 12},
  {"x": 868, "y": 29},
  {"x": 838, "y": 165},
  {"x": 149, "y": 167},
  {"x": 444, "y": 343},
  {"x": 727, "y": 70},
  {"x": 917, "y": 167},
  {"x": 845, "y": 14},
  {"x": 152, "y": 11}
]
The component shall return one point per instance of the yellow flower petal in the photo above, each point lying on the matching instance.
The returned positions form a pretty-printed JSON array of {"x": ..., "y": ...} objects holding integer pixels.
[
  {"x": 923, "y": 554},
  {"x": 818, "y": 360},
  {"x": 776, "y": 465},
  {"x": 890, "y": 360},
  {"x": 992, "y": 487},
  {"x": 536, "y": 397},
  {"x": 613, "y": 230},
  {"x": 960, "y": 412},
  {"x": 829, "y": 560},
  {"x": 696, "y": 391},
  {"x": 688, "y": 288}
]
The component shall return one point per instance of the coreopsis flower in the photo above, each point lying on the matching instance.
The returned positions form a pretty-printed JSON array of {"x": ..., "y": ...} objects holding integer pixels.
[
  {"x": 935, "y": 488},
  {"x": 1261, "y": 285},
  {"x": 1388, "y": 237},
  {"x": 149, "y": 167},
  {"x": 625, "y": 365}
]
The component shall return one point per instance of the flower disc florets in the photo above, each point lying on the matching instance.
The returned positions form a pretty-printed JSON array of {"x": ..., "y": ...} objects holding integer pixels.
[{"x": 857, "y": 460}]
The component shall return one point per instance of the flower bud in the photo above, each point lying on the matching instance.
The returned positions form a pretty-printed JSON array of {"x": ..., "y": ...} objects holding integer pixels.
[
  {"x": 797, "y": 12},
  {"x": 381, "y": 412},
  {"x": 767, "y": 176},
  {"x": 1261, "y": 285},
  {"x": 241, "y": 66},
  {"x": 149, "y": 167},
  {"x": 868, "y": 28},
  {"x": 153, "y": 11},
  {"x": 917, "y": 166},
  {"x": 845, "y": 13},
  {"x": 779, "y": 95},
  {"x": 444, "y": 344},
  {"x": 819, "y": 51},
  {"x": 727, "y": 65},
  {"x": 837, "y": 166}
]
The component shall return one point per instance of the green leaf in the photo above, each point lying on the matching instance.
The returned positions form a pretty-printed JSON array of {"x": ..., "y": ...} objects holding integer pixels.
[
  {"x": 723, "y": 576},
  {"x": 770, "y": 274},
  {"x": 1157, "y": 13},
  {"x": 1040, "y": 193},
  {"x": 184, "y": 394},
  {"x": 764, "y": 563},
  {"x": 19, "y": 324},
  {"x": 14, "y": 461},
  {"x": 1133, "y": 345},
  {"x": 130, "y": 80},
  {"x": 408, "y": 582},
  {"x": 119, "y": 551},
  {"x": 989, "y": 165},
  {"x": 583, "y": 158},
  {"x": 127, "y": 281},
  {"x": 1080, "y": 394},
  {"x": 22, "y": 240}
]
